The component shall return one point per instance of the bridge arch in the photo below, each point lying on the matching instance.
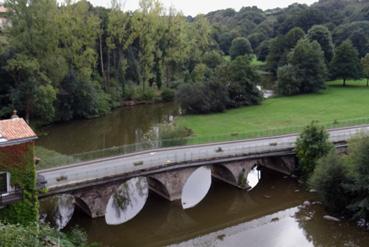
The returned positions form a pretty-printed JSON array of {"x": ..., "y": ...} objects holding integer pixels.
[
  {"x": 222, "y": 172},
  {"x": 81, "y": 204},
  {"x": 158, "y": 187},
  {"x": 238, "y": 173}
]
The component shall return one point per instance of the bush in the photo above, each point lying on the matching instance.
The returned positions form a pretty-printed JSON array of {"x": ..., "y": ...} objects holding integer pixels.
[
  {"x": 287, "y": 82},
  {"x": 201, "y": 98},
  {"x": 40, "y": 235},
  {"x": 306, "y": 71},
  {"x": 359, "y": 160},
  {"x": 241, "y": 79},
  {"x": 167, "y": 95},
  {"x": 312, "y": 145},
  {"x": 240, "y": 47},
  {"x": 330, "y": 179}
]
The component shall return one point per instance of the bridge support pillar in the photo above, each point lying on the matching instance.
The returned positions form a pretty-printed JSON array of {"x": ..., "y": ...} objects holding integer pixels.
[
  {"x": 169, "y": 184},
  {"x": 234, "y": 173},
  {"x": 94, "y": 200}
]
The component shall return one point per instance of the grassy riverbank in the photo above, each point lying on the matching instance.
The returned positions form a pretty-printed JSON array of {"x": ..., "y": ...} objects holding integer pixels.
[{"x": 335, "y": 104}]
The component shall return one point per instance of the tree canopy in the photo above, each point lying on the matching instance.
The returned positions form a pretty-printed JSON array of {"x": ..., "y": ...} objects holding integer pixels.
[{"x": 345, "y": 63}]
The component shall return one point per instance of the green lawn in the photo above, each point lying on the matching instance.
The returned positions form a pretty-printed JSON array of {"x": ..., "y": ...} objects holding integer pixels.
[{"x": 333, "y": 105}]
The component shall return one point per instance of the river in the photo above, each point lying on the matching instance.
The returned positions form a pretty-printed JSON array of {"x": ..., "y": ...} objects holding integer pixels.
[{"x": 273, "y": 214}]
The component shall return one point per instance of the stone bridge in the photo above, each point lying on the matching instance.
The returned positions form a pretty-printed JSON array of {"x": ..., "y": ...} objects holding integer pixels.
[{"x": 118, "y": 187}]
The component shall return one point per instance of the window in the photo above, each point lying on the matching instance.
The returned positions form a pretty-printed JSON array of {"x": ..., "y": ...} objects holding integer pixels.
[{"x": 4, "y": 183}]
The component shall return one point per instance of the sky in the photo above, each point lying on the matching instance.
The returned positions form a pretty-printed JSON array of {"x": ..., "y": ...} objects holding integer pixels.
[{"x": 194, "y": 7}]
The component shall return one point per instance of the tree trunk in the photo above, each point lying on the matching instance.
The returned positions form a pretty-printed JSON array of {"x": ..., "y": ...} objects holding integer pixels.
[
  {"x": 108, "y": 76},
  {"x": 102, "y": 62},
  {"x": 344, "y": 82}
]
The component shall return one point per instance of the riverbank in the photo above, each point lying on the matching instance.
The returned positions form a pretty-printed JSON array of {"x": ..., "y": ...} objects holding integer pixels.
[{"x": 332, "y": 105}]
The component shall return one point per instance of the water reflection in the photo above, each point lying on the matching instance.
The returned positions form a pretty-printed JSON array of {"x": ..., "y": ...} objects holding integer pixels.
[
  {"x": 269, "y": 215},
  {"x": 253, "y": 177},
  {"x": 161, "y": 223},
  {"x": 127, "y": 201},
  {"x": 196, "y": 187},
  {"x": 123, "y": 126},
  {"x": 281, "y": 229}
]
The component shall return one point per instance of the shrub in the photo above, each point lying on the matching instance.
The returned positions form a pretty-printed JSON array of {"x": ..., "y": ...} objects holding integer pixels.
[
  {"x": 40, "y": 235},
  {"x": 306, "y": 71},
  {"x": 359, "y": 160},
  {"x": 312, "y": 145},
  {"x": 167, "y": 95},
  {"x": 207, "y": 97},
  {"x": 287, "y": 83},
  {"x": 330, "y": 179}
]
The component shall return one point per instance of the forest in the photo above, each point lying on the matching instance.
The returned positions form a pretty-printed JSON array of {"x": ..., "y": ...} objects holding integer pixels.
[{"x": 67, "y": 61}]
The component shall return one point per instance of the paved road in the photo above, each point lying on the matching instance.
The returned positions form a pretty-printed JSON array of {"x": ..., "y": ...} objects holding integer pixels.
[{"x": 157, "y": 159}]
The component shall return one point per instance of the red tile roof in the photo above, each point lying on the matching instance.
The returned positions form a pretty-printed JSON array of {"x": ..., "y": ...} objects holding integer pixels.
[{"x": 15, "y": 130}]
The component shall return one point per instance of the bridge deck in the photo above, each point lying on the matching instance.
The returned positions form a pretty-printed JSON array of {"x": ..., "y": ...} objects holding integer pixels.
[{"x": 148, "y": 162}]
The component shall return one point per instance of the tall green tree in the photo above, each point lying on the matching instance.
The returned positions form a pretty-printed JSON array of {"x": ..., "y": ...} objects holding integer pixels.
[
  {"x": 311, "y": 145},
  {"x": 37, "y": 63},
  {"x": 307, "y": 70},
  {"x": 345, "y": 63},
  {"x": 241, "y": 79},
  {"x": 365, "y": 66},
  {"x": 323, "y": 36},
  {"x": 240, "y": 47}
]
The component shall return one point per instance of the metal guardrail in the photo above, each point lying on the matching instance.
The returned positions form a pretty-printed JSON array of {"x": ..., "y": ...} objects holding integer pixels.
[{"x": 157, "y": 144}]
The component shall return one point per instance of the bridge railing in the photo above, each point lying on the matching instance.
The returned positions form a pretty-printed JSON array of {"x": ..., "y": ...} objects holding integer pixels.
[
  {"x": 172, "y": 159},
  {"x": 165, "y": 143}
]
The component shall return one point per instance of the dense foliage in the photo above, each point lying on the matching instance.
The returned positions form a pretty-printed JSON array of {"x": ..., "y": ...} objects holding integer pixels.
[
  {"x": 306, "y": 71},
  {"x": 330, "y": 179},
  {"x": 78, "y": 61},
  {"x": 232, "y": 85},
  {"x": 311, "y": 145},
  {"x": 346, "y": 63},
  {"x": 342, "y": 180},
  {"x": 72, "y": 60},
  {"x": 39, "y": 236}
]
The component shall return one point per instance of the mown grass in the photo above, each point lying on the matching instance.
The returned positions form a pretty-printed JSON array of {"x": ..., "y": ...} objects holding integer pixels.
[{"x": 333, "y": 105}]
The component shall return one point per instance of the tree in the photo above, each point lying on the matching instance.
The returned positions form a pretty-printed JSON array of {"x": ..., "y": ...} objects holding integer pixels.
[
  {"x": 202, "y": 98},
  {"x": 263, "y": 50},
  {"x": 36, "y": 62},
  {"x": 311, "y": 145},
  {"x": 365, "y": 66},
  {"x": 293, "y": 36},
  {"x": 277, "y": 55},
  {"x": 323, "y": 36},
  {"x": 280, "y": 47},
  {"x": 240, "y": 47},
  {"x": 242, "y": 80},
  {"x": 306, "y": 72},
  {"x": 359, "y": 159},
  {"x": 287, "y": 82},
  {"x": 345, "y": 63},
  {"x": 330, "y": 179}
]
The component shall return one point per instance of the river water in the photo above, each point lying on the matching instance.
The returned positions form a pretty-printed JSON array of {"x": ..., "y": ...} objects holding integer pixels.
[{"x": 271, "y": 215}]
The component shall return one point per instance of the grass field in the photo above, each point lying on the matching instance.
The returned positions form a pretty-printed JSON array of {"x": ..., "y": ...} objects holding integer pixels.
[{"x": 335, "y": 104}]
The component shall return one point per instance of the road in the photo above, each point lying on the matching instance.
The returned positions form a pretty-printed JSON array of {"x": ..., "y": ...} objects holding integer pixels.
[{"x": 85, "y": 172}]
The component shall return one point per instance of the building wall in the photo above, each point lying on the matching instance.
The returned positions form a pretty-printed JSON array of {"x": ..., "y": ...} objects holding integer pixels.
[{"x": 18, "y": 160}]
